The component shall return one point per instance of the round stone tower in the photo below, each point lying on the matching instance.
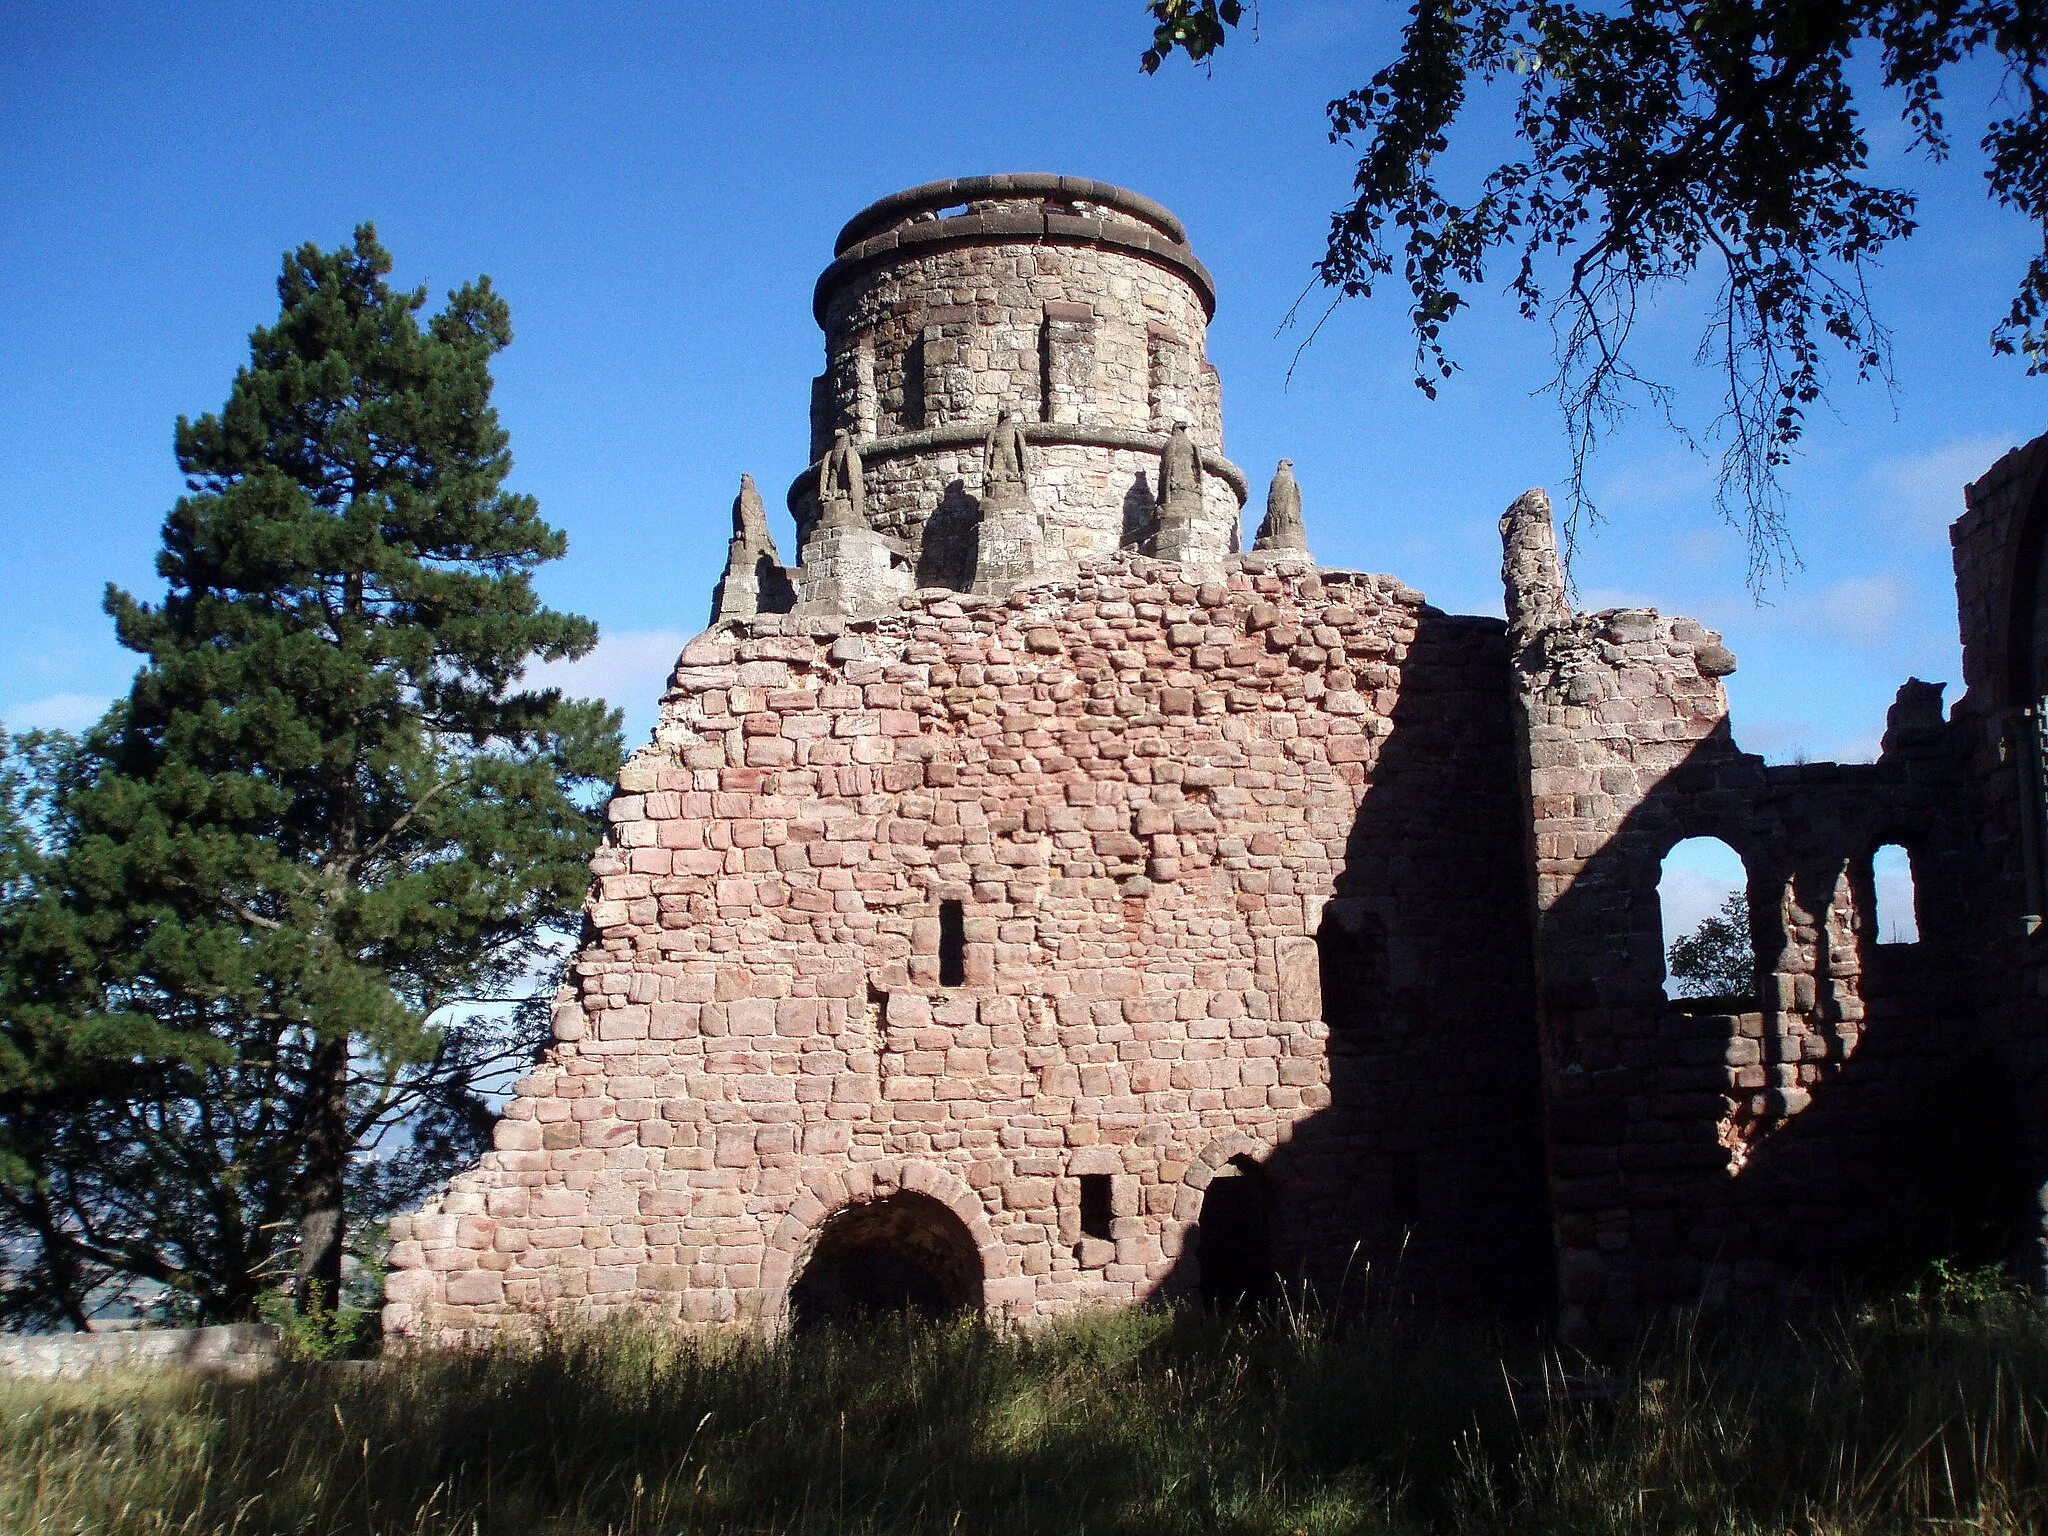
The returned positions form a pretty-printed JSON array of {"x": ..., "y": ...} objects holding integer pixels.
[{"x": 1074, "y": 306}]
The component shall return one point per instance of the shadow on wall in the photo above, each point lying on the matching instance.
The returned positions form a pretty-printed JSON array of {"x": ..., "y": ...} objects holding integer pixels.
[
  {"x": 1141, "y": 515},
  {"x": 1422, "y": 1180},
  {"x": 1843, "y": 1127},
  {"x": 946, "y": 549}
]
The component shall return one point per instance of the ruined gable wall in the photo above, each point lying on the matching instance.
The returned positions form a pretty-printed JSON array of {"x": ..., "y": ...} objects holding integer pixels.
[
  {"x": 1150, "y": 797},
  {"x": 1736, "y": 1157},
  {"x": 1997, "y": 549}
]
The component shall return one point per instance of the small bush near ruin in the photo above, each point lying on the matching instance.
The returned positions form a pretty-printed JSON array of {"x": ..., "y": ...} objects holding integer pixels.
[{"x": 1929, "y": 1413}]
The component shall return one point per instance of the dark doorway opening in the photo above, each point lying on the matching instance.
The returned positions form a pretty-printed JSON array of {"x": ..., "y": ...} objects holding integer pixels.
[
  {"x": 1097, "y": 1205},
  {"x": 904, "y": 1253},
  {"x": 1236, "y": 1234}
]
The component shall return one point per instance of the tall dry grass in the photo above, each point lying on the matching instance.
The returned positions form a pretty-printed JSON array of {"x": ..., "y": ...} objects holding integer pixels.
[{"x": 1905, "y": 1417}]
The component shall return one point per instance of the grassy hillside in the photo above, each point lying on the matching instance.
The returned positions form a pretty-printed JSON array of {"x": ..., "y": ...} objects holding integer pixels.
[{"x": 1907, "y": 1417}]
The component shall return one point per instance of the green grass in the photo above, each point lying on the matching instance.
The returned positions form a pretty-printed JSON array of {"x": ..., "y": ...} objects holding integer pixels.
[{"x": 1913, "y": 1416}]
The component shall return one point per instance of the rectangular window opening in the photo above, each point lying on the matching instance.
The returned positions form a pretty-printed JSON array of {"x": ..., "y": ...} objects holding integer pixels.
[
  {"x": 1095, "y": 1203},
  {"x": 1896, "y": 919},
  {"x": 952, "y": 945}
]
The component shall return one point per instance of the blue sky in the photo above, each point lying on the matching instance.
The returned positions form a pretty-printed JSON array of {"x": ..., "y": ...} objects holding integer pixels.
[{"x": 655, "y": 189}]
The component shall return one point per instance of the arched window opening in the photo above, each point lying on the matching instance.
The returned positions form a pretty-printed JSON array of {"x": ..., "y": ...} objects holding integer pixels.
[
  {"x": 1709, "y": 947},
  {"x": 905, "y": 1253},
  {"x": 1236, "y": 1238},
  {"x": 1895, "y": 916},
  {"x": 952, "y": 944}
]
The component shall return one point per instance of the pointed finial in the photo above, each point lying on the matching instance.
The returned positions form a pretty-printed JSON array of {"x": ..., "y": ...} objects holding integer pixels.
[
  {"x": 1282, "y": 530},
  {"x": 749, "y": 516}
]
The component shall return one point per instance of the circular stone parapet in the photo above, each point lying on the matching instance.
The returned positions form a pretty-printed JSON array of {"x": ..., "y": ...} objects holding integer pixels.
[
  {"x": 1031, "y": 205},
  {"x": 1070, "y": 191},
  {"x": 1083, "y": 492}
]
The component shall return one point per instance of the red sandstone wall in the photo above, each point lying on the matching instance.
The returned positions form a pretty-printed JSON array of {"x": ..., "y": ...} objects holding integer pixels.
[{"x": 1150, "y": 797}]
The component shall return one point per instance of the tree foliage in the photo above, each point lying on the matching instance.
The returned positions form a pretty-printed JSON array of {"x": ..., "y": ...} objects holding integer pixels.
[
  {"x": 1718, "y": 958},
  {"x": 1659, "y": 141},
  {"x": 328, "y": 818}
]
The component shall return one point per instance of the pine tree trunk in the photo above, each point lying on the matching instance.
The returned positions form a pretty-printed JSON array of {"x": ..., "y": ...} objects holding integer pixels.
[{"x": 325, "y": 1178}]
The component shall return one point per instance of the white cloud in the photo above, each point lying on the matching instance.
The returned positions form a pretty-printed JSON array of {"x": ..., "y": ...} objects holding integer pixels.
[
  {"x": 1863, "y": 610},
  {"x": 1862, "y": 748},
  {"x": 1709, "y": 546},
  {"x": 58, "y": 712},
  {"x": 1600, "y": 599},
  {"x": 1921, "y": 494},
  {"x": 1688, "y": 896},
  {"x": 629, "y": 669},
  {"x": 1654, "y": 484}
]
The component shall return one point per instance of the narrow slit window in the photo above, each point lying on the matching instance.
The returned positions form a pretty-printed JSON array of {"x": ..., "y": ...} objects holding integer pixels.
[
  {"x": 1095, "y": 1205},
  {"x": 952, "y": 945},
  {"x": 1897, "y": 918}
]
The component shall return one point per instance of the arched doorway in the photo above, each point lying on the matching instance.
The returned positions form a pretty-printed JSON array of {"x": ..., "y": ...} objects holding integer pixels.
[
  {"x": 904, "y": 1253},
  {"x": 1236, "y": 1234}
]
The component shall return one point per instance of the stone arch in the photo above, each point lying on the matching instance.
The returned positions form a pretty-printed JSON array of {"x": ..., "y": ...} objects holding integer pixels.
[
  {"x": 827, "y": 1195},
  {"x": 946, "y": 542},
  {"x": 1668, "y": 878},
  {"x": 1247, "y": 1159},
  {"x": 1194, "y": 1184},
  {"x": 901, "y": 1253},
  {"x": 1187, "y": 1204}
]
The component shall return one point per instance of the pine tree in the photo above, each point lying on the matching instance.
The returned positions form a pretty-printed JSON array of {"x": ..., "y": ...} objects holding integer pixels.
[{"x": 329, "y": 810}]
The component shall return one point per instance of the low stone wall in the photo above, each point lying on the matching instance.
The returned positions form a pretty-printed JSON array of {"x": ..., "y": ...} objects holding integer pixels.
[{"x": 229, "y": 1349}]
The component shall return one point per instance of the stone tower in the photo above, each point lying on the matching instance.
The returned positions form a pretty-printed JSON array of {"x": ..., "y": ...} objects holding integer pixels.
[
  {"x": 1007, "y": 924},
  {"x": 1076, "y": 306}
]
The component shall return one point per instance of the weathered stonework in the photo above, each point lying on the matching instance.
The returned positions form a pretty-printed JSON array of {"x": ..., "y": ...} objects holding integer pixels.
[
  {"x": 1075, "y": 305},
  {"x": 1730, "y": 1156},
  {"x": 2001, "y": 544},
  {"x": 1149, "y": 796},
  {"x": 754, "y": 580},
  {"x": 1085, "y": 926}
]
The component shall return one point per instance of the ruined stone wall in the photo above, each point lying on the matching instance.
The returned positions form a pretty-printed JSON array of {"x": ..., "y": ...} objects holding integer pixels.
[
  {"x": 1739, "y": 1157},
  {"x": 1270, "y": 890},
  {"x": 1239, "y": 864},
  {"x": 1998, "y": 545}
]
